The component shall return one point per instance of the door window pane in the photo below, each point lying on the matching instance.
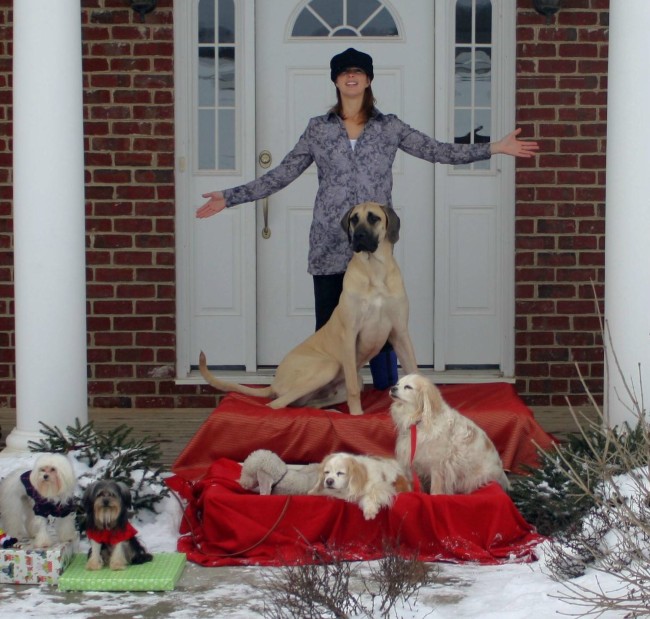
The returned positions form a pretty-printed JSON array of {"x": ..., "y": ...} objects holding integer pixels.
[
  {"x": 207, "y": 140},
  {"x": 217, "y": 86},
  {"x": 344, "y": 18},
  {"x": 226, "y": 139},
  {"x": 227, "y": 77},
  {"x": 473, "y": 75},
  {"x": 226, "y": 21},
  {"x": 464, "y": 15},
  {"x": 206, "y": 21},
  {"x": 330, "y": 11},
  {"x": 381, "y": 25},
  {"x": 207, "y": 76},
  {"x": 359, "y": 12}
]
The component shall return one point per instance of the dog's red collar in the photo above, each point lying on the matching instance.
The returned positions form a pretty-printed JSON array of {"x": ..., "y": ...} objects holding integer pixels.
[
  {"x": 112, "y": 536},
  {"x": 414, "y": 440}
]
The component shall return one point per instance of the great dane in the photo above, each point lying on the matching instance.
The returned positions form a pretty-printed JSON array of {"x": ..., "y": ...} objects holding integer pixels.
[{"x": 373, "y": 308}]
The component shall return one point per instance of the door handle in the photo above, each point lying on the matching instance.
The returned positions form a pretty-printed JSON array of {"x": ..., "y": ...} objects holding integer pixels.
[
  {"x": 266, "y": 231},
  {"x": 264, "y": 159}
]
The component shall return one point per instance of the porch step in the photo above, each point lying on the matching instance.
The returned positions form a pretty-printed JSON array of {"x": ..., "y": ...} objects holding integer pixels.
[{"x": 173, "y": 428}]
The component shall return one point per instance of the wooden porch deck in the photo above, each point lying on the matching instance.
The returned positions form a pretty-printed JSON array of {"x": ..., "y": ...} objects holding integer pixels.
[{"x": 173, "y": 428}]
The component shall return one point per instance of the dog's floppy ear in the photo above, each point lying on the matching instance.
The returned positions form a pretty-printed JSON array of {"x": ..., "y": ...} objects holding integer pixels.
[
  {"x": 431, "y": 398},
  {"x": 87, "y": 501},
  {"x": 345, "y": 224},
  {"x": 357, "y": 477},
  {"x": 125, "y": 494},
  {"x": 318, "y": 485},
  {"x": 265, "y": 482},
  {"x": 392, "y": 224}
]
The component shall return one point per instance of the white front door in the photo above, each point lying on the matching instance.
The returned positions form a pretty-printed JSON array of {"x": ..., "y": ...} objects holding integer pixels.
[
  {"x": 247, "y": 81},
  {"x": 293, "y": 84}
]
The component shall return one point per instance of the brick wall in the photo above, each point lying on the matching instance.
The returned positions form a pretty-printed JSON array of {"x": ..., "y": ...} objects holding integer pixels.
[
  {"x": 128, "y": 97},
  {"x": 560, "y": 227},
  {"x": 129, "y": 113},
  {"x": 129, "y": 144}
]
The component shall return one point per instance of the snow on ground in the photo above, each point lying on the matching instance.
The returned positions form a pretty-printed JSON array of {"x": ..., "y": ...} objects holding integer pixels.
[{"x": 509, "y": 591}]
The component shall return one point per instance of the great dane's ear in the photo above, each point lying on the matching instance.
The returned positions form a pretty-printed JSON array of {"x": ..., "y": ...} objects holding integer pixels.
[
  {"x": 345, "y": 224},
  {"x": 392, "y": 224}
]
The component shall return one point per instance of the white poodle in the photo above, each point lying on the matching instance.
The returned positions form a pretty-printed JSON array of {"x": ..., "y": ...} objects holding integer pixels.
[
  {"x": 29, "y": 498},
  {"x": 265, "y": 472}
]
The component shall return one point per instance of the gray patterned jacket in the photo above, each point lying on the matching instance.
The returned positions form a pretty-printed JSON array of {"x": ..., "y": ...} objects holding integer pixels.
[{"x": 347, "y": 177}]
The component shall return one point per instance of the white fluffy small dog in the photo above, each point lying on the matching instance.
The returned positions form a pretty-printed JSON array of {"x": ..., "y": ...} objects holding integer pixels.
[
  {"x": 370, "y": 481},
  {"x": 29, "y": 498},
  {"x": 453, "y": 455}
]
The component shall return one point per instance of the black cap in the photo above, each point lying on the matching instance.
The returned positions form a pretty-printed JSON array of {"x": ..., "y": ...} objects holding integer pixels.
[{"x": 348, "y": 59}]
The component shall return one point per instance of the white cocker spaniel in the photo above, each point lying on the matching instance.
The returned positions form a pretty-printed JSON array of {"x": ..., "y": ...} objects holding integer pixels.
[{"x": 453, "y": 455}]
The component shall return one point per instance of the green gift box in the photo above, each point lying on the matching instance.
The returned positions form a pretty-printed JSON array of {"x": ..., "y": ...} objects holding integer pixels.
[{"x": 161, "y": 574}]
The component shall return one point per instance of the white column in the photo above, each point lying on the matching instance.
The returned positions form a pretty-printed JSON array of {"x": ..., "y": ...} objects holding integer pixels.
[
  {"x": 49, "y": 240},
  {"x": 627, "y": 252}
]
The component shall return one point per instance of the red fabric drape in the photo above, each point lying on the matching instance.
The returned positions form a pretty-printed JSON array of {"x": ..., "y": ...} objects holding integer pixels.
[
  {"x": 226, "y": 525},
  {"x": 242, "y": 424}
]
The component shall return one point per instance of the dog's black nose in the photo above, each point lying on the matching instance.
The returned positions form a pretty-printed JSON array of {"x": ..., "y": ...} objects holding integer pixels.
[
  {"x": 329, "y": 482},
  {"x": 393, "y": 390},
  {"x": 363, "y": 240}
]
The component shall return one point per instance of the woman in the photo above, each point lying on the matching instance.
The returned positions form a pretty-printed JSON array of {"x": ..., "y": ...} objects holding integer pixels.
[{"x": 353, "y": 146}]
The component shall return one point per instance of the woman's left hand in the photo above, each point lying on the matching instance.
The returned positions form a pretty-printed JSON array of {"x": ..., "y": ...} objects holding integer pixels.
[{"x": 510, "y": 145}]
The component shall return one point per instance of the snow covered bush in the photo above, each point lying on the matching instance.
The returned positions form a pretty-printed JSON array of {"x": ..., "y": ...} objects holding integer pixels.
[{"x": 110, "y": 455}]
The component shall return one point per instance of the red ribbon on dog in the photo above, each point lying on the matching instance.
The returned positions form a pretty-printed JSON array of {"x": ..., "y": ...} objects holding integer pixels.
[
  {"x": 112, "y": 536},
  {"x": 414, "y": 440}
]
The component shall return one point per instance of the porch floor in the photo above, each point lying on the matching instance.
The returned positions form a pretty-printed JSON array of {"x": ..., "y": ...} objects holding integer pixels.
[{"x": 173, "y": 428}]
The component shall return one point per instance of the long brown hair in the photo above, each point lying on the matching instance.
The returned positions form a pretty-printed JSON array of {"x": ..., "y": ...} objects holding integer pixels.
[{"x": 367, "y": 105}]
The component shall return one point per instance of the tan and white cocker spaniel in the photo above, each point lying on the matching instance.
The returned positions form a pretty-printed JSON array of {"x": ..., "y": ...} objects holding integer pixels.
[
  {"x": 453, "y": 455},
  {"x": 370, "y": 481}
]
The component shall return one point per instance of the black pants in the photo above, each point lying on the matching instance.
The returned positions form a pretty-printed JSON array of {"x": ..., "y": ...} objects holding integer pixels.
[{"x": 327, "y": 291}]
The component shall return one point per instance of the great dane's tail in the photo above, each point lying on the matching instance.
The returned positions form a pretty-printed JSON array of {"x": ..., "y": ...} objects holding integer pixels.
[{"x": 224, "y": 385}]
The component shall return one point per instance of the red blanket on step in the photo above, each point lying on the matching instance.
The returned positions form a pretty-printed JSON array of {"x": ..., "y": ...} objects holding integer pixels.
[
  {"x": 242, "y": 424},
  {"x": 227, "y": 525}
]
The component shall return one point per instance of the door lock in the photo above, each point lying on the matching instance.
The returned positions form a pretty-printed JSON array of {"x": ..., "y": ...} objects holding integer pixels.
[{"x": 265, "y": 159}]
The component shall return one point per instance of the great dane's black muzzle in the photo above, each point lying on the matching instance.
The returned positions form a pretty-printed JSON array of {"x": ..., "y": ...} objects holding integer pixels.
[{"x": 364, "y": 239}]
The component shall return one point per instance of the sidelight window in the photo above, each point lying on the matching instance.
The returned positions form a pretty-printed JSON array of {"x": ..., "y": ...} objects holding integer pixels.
[
  {"x": 473, "y": 75},
  {"x": 216, "y": 115}
]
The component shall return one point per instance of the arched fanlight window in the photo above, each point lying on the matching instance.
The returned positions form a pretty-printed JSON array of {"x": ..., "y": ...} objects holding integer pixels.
[
  {"x": 473, "y": 74},
  {"x": 344, "y": 19}
]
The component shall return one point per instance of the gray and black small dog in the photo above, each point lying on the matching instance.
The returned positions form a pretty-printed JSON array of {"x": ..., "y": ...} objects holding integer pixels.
[{"x": 113, "y": 540}]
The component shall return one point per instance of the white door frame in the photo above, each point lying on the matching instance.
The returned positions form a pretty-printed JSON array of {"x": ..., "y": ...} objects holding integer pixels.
[
  {"x": 185, "y": 19},
  {"x": 503, "y": 88}
]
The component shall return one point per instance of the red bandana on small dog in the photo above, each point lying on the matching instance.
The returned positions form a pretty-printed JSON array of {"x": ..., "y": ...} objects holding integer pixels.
[{"x": 112, "y": 536}]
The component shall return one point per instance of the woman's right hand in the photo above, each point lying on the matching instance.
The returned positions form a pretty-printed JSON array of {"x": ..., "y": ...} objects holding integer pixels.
[{"x": 215, "y": 204}]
